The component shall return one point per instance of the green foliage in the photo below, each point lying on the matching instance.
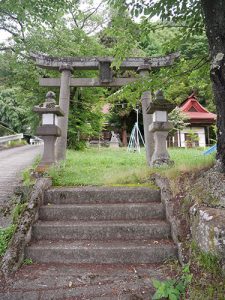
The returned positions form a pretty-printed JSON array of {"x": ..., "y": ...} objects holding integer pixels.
[
  {"x": 28, "y": 261},
  {"x": 61, "y": 33},
  {"x": 64, "y": 28},
  {"x": 18, "y": 17},
  {"x": 206, "y": 261},
  {"x": 17, "y": 211},
  {"x": 178, "y": 119},
  {"x": 173, "y": 289},
  {"x": 209, "y": 262},
  {"x": 5, "y": 130},
  {"x": 182, "y": 32},
  {"x": 166, "y": 289},
  {"x": 85, "y": 119},
  {"x": 208, "y": 282},
  {"x": 192, "y": 138},
  {"x": 11, "y": 113},
  {"x": 26, "y": 175},
  {"x": 5, "y": 237},
  {"x": 184, "y": 13}
]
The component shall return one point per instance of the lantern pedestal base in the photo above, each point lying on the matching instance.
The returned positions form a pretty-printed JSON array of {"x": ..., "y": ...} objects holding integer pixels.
[
  {"x": 48, "y": 157},
  {"x": 49, "y": 134},
  {"x": 160, "y": 131}
]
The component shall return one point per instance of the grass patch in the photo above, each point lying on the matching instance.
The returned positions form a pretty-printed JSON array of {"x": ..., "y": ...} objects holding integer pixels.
[
  {"x": 17, "y": 211},
  {"x": 208, "y": 278},
  {"x": 7, "y": 233},
  {"x": 187, "y": 160},
  {"x": 100, "y": 167},
  {"x": 27, "y": 173},
  {"x": 5, "y": 237},
  {"x": 118, "y": 167}
]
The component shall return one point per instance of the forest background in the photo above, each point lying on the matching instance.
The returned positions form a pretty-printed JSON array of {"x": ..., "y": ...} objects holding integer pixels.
[{"x": 94, "y": 28}]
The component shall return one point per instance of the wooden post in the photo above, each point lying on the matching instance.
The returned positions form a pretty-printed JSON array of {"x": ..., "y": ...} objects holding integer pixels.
[{"x": 64, "y": 102}]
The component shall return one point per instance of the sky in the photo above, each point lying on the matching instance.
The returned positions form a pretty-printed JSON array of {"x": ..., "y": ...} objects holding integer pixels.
[{"x": 3, "y": 35}]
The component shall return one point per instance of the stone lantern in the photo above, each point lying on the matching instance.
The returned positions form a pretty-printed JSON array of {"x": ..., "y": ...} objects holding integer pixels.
[
  {"x": 48, "y": 130},
  {"x": 160, "y": 128}
]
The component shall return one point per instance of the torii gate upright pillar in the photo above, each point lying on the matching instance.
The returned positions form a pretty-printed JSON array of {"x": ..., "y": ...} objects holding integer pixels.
[
  {"x": 64, "y": 103},
  {"x": 147, "y": 118}
]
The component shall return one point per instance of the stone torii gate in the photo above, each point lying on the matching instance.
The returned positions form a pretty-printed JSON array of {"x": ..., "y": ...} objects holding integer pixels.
[{"x": 67, "y": 65}]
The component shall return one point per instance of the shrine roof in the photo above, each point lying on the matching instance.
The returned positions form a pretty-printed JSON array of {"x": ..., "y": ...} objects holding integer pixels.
[{"x": 195, "y": 111}]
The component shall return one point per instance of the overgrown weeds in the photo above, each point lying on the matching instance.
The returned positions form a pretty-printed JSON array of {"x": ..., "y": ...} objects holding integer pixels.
[
  {"x": 28, "y": 180},
  {"x": 202, "y": 278},
  {"x": 208, "y": 278},
  {"x": 28, "y": 261},
  {"x": 173, "y": 289},
  {"x": 17, "y": 211},
  {"x": 5, "y": 237}
]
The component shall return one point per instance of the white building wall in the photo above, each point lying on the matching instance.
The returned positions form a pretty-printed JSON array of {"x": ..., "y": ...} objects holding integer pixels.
[{"x": 199, "y": 130}]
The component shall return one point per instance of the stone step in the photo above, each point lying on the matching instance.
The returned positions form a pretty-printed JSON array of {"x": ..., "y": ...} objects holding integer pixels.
[
  {"x": 105, "y": 230},
  {"x": 89, "y": 282},
  {"x": 98, "y": 252},
  {"x": 100, "y": 212},
  {"x": 90, "y": 195}
]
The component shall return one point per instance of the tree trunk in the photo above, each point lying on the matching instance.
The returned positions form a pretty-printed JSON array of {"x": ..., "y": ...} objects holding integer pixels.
[
  {"x": 124, "y": 132},
  {"x": 214, "y": 18}
]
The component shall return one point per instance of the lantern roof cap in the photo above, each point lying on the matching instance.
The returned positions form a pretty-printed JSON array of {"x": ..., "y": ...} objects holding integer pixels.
[
  {"x": 160, "y": 103},
  {"x": 49, "y": 106}
]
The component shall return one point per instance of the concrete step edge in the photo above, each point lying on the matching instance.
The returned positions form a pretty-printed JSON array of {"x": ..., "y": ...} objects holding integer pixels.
[
  {"x": 101, "y": 194},
  {"x": 97, "y": 205},
  {"x": 87, "y": 244},
  {"x": 43, "y": 223}
]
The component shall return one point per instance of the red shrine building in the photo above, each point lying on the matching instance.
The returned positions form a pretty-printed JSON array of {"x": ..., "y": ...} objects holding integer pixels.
[{"x": 199, "y": 119}]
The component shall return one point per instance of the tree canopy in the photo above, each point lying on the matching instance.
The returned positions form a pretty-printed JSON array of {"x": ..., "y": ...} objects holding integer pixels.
[{"x": 114, "y": 27}]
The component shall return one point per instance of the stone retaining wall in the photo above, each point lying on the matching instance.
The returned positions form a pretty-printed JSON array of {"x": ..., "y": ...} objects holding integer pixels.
[
  {"x": 172, "y": 208},
  {"x": 204, "y": 224},
  {"x": 15, "y": 253},
  {"x": 208, "y": 229}
]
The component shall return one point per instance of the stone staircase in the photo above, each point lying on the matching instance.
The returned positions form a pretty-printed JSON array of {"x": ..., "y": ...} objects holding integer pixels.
[{"x": 95, "y": 225}]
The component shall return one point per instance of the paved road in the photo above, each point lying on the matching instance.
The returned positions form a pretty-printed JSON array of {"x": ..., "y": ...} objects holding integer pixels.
[{"x": 12, "y": 163}]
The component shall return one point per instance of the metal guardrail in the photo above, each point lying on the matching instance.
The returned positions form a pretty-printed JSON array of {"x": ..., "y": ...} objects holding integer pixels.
[{"x": 9, "y": 138}]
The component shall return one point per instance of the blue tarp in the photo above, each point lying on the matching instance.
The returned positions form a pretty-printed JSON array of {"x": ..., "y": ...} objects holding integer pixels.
[{"x": 210, "y": 150}]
